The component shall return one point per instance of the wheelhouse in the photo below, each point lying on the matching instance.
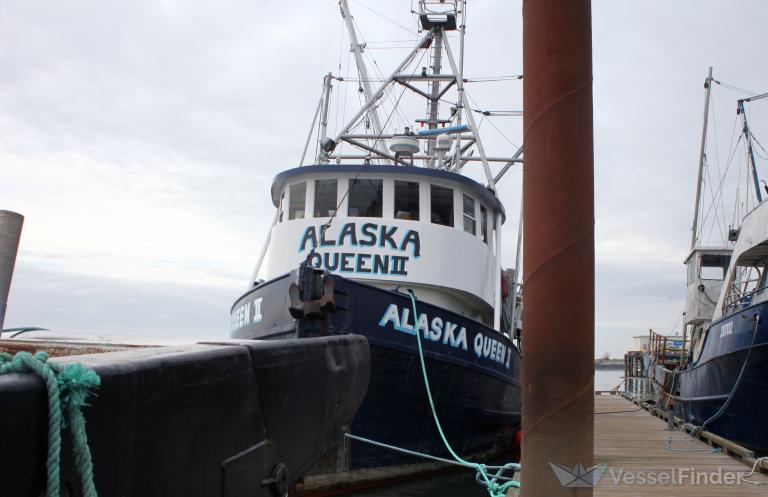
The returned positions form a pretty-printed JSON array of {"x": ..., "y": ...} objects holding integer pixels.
[{"x": 432, "y": 230}]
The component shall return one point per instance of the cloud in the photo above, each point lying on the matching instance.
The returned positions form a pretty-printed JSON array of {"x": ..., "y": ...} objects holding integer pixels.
[{"x": 140, "y": 140}]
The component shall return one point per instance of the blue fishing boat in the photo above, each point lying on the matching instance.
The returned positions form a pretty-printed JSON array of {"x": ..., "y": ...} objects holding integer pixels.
[
  {"x": 716, "y": 375},
  {"x": 384, "y": 235}
]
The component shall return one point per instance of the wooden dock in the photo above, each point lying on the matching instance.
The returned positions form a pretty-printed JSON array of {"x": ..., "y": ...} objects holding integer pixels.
[{"x": 633, "y": 444}]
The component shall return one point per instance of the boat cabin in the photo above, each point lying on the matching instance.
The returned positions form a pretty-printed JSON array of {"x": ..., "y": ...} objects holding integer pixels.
[
  {"x": 705, "y": 269},
  {"x": 431, "y": 230},
  {"x": 746, "y": 276}
]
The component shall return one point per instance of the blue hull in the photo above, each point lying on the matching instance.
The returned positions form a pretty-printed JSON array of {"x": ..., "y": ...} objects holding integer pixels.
[
  {"x": 700, "y": 390},
  {"x": 474, "y": 372}
]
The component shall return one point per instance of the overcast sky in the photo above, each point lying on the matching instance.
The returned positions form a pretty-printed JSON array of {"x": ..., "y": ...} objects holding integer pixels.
[{"x": 140, "y": 138}]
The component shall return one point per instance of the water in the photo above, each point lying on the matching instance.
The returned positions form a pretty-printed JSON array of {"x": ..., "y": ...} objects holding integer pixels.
[
  {"x": 605, "y": 379},
  {"x": 461, "y": 483}
]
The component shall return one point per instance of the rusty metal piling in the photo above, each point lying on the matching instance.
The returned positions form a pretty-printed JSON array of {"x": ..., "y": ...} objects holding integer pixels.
[{"x": 558, "y": 369}]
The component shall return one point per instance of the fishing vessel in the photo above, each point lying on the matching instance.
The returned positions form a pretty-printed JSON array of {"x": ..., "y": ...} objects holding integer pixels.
[
  {"x": 716, "y": 375},
  {"x": 385, "y": 235}
]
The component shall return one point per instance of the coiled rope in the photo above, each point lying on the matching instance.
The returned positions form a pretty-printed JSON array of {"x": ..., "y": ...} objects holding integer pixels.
[{"x": 67, "y": 387}]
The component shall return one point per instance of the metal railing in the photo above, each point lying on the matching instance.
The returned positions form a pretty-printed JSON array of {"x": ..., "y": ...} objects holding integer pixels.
[{"x": 667, "y": 351}]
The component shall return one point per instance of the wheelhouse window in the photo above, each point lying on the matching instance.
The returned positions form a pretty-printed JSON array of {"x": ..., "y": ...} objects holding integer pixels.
[
  {"x": 326, "y": 197},
  {"x": 442, "y": 205},
  {"x": 296, "y": 200},
  {"x": 470, "y": 223},
  {"x": 365, "y": 197},
  {"x": 484, "y": 223},
  {"x": 713, "y": 267},
  {"x": 407, "y": 200}
]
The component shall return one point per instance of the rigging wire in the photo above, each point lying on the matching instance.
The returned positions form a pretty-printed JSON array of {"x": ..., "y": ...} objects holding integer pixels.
[
  {"x": 735, "y": 88},
  {"x": 384, "y": 17},
  {"x": 484, "y": 114},
  {"x": 722, "y": 181},
  {"x": 491, "y": 79},
  {"x": 388, "y": 93},
  {"x": 717, "y": 163},
  {"x": 499, "y": 113},
  {"x": 754, "y": 139}
]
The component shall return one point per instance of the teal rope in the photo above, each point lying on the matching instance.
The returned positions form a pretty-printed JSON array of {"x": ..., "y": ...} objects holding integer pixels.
[
  {"x": 491, "y": 483},
  {"x": 67, "y": 388}
]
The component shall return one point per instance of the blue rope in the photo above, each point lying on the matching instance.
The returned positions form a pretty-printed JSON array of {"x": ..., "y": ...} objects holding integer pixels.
[
  {"x": 426, "y": 456},
  {"x": 67, "y": 387},
  {"x": 491, "y": 482}
]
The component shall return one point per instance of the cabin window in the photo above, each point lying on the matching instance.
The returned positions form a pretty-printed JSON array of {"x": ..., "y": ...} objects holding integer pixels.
[
  {"x": 484, "y": 223},
  {"x": 469, "y": 215},
  {"x": 407, "y": 200},
  {"x": 712, "y": 273},
  {"x": 365, "y": 197},
  {"x": 442, "y": 205},
  {"x": 713, "y": 267},
  {"x": 280, "y": 207},
  {"x": 326, "y": 197},
  {"x": 296, "y": 200}
]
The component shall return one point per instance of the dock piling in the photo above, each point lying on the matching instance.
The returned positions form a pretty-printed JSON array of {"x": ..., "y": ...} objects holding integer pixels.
[
  {"x": 558, "y": 181},
  {"x": 10, "y": 234}
]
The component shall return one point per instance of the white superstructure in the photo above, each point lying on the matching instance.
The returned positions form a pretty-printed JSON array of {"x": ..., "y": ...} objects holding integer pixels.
[{"x": 390, "y": 206}]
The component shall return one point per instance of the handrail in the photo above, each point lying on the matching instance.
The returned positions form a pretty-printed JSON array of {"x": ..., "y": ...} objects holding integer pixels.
[
  {"x": 663, "y": 348},
  {"x": 733, "y": 299}
]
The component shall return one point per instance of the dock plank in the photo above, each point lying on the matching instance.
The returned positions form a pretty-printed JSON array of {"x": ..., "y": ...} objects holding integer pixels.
[{"x": 633, "y": 442}]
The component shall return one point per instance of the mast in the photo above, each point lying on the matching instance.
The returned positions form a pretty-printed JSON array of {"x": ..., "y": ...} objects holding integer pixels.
[
  {"x": 357, "y": 49},
  {"x": 748, "y": 139},
  {"x": 436, "y": 19},
  {"x": 702, "y": 155},
  {"x": 459, "y": 108},
  {"x": 434, "y": 97}
]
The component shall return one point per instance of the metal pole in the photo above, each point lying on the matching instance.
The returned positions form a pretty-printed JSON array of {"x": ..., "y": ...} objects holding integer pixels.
[
  {"x": 263, "y": 251},
  {"x": 702, "y": 155},
  {"x": 312, "y": 127},
  {"x": 322, "y": 156},
  {"x": 517, "y": 266},
  {"x": 422, "y": 43},
  {"x": 470, "y": 118},
  {"x": 434, "y": 102},
  {"x": 558, "y": 244},
  {"x": 361, "y": 68},
  {"x": 497, "y": 276},
  {"x": 750, "y": 152},
  {"x": 10, "y": 234},
  {"x": 463, "y": 32},
  {"x": 508, "y": 165}
]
